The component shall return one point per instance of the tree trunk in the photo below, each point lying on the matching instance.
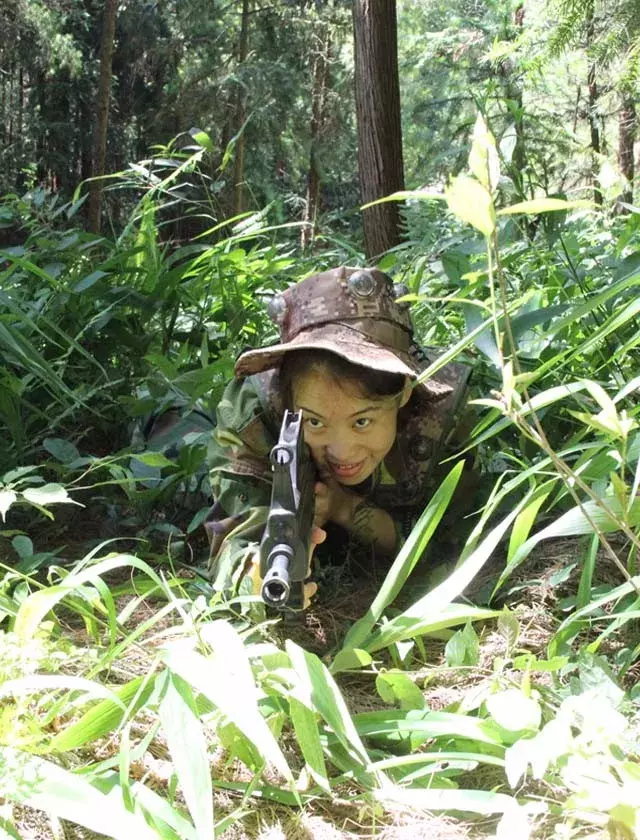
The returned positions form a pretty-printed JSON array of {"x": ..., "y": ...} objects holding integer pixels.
[
  {"x": 626, "y": 137},
  {"x": 318, "y": 116},
  {"x": 102, "y": 122},
  {"x": 241, "y": 115},
  {"x": 378, "y": 116},
  {"x": 594, "y": 94}
]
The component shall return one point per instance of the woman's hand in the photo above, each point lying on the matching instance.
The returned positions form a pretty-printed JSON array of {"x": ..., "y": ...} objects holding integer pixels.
[{"x": 334, "y": 503}]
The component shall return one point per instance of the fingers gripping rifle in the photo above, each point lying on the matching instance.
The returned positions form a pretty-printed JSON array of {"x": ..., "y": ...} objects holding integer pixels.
[{"x": 284, "y": 550}]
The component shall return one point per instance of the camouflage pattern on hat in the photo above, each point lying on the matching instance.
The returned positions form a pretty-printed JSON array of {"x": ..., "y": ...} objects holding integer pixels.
[{"x": 351, "y": 312}]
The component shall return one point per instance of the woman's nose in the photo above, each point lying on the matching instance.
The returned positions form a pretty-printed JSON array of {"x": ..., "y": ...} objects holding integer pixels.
[{"x": 340, "y": 450}]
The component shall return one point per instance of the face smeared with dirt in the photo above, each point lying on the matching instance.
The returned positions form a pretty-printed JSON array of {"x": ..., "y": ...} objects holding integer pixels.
[{"x": 348, "y": 433}]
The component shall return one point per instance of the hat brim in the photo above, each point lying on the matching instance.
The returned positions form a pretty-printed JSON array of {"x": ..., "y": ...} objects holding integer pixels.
[{"x": 346, "y": 342}]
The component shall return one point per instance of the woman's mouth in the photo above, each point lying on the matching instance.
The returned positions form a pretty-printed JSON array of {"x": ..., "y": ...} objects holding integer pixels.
[{"x": 345, "y": 470}]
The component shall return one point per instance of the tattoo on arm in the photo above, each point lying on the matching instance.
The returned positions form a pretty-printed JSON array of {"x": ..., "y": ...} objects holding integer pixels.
[{"x": 362, "y": 522}]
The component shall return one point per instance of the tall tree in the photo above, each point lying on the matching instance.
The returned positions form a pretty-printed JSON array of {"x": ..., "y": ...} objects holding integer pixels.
[
  {"x": 102, "y": 122},
  {"x": 378, "y": 116},
  {"x": 318, "y": 117},
  {"x": 241, "y": 114}
]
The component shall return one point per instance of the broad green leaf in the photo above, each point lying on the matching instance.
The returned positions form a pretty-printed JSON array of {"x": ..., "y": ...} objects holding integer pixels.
[
  {"x": 153, "y": 459},
  {"x": 543, "y": 205},
  {"x": 397, "y": 688},
  {"x": 418, "y": 725},
  {"x": 407, "y": 558},
  {"x": 463, "y": 648},
  {"x": 350, "y": 659},
  {"x": 61, "y": 449},
  {"x": 54, "y": 790},
  {"x": 513, "y": 711},
  {"x": 189, "y": 754},
  {"x": 471, "y": 202},
  {"x": 48, "y": 494},
  {"x": 7, "y": 498}
]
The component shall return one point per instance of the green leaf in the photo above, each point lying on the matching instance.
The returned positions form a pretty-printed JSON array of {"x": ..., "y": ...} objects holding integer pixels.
[
  {"x": 423, "y": 616},
  {"x": 467, "y": 801},
  {"x": 543, "y": 205},
  {"x": 471, "y": 202},
  {"x": 398, "y": 688},
  {"x": 103, "y": 718},
  {"x": 225, "y": 678},
  {"x": 350, "y": 659},
  {"x": 513, "y": 711},
  {"x": 202, "y": 139},
  {"x": 319, "y": 691},
  {"x": 574, "y": 523},
  {"x": 462, "y": 648},
  {"x": 308, "y": 737},
  {"x": 56, "y": 791},
  {"x": 484, "y": 162},
  {"x": 407, "y": 558},
  {"x": 38, "y": 604},
  {"x": 509, "y": 629},
  {"x": 23, "y": 546},
  {"x": 48, "y": 494},
  {"x": 189, "y": 754},
  {"x": 153, "y": 459},
  {"x": 7, "y": 498},
  {"x": 63, "y": 450}
]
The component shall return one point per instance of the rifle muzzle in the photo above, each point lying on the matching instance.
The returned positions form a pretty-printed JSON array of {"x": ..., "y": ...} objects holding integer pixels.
[{"x": 275, "y": 586}]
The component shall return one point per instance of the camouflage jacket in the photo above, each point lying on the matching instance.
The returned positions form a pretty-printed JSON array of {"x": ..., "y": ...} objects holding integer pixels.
[{"x": 249, "y": 417}]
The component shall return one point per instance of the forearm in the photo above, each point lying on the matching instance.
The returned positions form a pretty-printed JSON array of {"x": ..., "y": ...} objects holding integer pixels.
[{"x": 370, "y": 525}]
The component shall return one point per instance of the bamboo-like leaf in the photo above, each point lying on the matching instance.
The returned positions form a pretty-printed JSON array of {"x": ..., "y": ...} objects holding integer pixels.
[
  {"x": 225, "y": 678},
  {"x": 575, "y": 523},
  {"x": 418, "y": 725},
  {"x": 406, "y": 560},
  {"x": 318, "y": 686},
  {"x": 466, "y": 801},
  {"x": 308, "y": 737},
  {"x": 37, "y": 683},
  {"x": 188, "y": 748},
  {"x": 525, "y": 519},
  {"x": 37, "y": 605},
  {"x": 52, "y": 789},
  {"x": 103, "y": 718},
  {"x": 426, "y": 612},
  {"x": 544, "y": 205}
]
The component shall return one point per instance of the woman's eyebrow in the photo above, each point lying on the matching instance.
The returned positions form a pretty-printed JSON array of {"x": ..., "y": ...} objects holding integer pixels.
[{"x": 366, "y": 410}]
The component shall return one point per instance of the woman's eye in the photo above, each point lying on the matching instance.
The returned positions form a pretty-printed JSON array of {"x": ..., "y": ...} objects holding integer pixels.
[
  {"x": 363, "y": 422},
  {"x": 313, "y": 423}
]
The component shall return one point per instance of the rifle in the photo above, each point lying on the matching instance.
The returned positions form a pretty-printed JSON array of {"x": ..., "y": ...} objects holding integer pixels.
[{"x": 284, "y": 550}]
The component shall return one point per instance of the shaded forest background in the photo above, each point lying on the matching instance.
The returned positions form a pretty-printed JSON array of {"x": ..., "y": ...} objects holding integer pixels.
[{"x": 272, "y": 85}]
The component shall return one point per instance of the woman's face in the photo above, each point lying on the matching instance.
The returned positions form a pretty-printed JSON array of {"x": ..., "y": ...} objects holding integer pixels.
[{"x": 348, "y": 434}]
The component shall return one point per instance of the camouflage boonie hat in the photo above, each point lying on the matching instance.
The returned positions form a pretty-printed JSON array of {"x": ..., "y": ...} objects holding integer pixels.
[{"x": 348, "y": 311}]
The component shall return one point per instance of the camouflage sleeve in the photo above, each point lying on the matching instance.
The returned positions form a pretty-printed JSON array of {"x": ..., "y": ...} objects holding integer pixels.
[{"x": 240, "y": 481}]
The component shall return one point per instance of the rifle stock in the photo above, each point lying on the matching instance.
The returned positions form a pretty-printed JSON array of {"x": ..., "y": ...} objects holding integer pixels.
[{"x": 285, "y": 546}]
